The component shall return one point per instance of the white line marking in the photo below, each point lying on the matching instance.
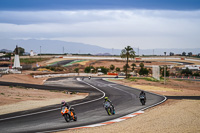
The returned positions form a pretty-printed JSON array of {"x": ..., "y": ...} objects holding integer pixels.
[{"x": 59, "y": 108}]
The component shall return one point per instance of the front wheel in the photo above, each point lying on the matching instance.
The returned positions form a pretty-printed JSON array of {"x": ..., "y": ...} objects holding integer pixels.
[
  {"x": 67, "y": 117},
  {"x": 108, "y": 111},
  {"x": 143, "y": 102}
]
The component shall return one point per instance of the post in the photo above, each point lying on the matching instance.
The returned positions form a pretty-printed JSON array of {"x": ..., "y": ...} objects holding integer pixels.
[
  {"x": 165, "y": 70},
  {"x": 40, "y": 52}
]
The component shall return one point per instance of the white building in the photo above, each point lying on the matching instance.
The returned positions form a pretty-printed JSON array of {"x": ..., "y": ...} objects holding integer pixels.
[{"x": 32, "y": 53}]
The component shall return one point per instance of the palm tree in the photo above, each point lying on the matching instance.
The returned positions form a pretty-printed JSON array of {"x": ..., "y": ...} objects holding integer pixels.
[{"x": 127, "y": 53}]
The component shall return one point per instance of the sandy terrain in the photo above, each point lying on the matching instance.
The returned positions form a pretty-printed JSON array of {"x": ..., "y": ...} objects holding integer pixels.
[
  {"x": 172, "y": 116},
  {"x": 22, "y": 78},
  {"x": 172, "y": 87},
  {"x": 24, "y": 99},
  {"x": 29, "y": 98}
]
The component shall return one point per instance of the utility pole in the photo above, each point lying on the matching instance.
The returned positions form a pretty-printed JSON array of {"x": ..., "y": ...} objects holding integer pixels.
[
  {"x": 165, "y": 70},
  {"x": 153, "y": 52},
  {"x": 40, "y": 52}
]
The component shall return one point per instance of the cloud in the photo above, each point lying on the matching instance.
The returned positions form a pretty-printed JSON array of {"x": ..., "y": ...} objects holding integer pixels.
[{"x": 107, "y": 28}]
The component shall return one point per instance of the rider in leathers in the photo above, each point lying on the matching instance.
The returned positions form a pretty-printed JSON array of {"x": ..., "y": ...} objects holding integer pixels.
[
  {"x": 107, "y": 100},
  {"x": 143, "y": 94}
]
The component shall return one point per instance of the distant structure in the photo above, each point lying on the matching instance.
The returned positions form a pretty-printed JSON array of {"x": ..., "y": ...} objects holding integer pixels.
[
  {"x": 16, "y": 60},
  {"x": 32, "y": 53}
]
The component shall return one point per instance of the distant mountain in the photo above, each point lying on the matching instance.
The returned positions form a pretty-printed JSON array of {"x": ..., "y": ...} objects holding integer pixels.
[
  {"x": 5, "y": 51},
  {"x": 58, "y": 47},
  {"x": 55, "y": 47},
  {"x": 103, "y": 54}
]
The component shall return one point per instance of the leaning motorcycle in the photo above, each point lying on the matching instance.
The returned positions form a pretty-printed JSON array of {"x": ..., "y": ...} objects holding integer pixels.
[
  {"x": 68, "y": 114},
  {"x": 142, "y": 100},
  {"x": 109, "y": 108}
]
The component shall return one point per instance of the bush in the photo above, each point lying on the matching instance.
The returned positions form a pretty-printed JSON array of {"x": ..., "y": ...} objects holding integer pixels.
[
  {"x": 88, "y": 69},
  {"x": 117, "y": 69},
  {"x": 104, "y": 69},
  {"x": 143, "y": 71},
  {"x": 186, "y": 72}
]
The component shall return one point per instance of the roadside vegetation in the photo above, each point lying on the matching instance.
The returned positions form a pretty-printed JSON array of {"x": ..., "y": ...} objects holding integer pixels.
[
  {"x": 31, "y": 60},
  {"x": 144, "y": 78}
]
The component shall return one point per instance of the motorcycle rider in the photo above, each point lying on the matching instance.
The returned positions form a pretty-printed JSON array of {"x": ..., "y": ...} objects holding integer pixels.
[
  {"x": 64, "y": 104},
  {"x": 107, "y": 100},
  {"x": 142, "y": 94}
]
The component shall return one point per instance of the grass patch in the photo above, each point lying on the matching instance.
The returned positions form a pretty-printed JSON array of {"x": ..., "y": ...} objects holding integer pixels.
[
  {"x": 32, "y": 60},
  {"x": 143, "y": 78},
  {"x": 2, "y": 94}
]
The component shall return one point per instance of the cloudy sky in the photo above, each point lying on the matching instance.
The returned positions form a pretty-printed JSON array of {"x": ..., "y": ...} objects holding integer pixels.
[{"x": 146, "y": 24}]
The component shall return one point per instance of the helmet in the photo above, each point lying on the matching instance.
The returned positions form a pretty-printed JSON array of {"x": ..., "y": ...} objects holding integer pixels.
[
  {"x": 63, "y": 102},
  {"x": 106, "y": 98}
]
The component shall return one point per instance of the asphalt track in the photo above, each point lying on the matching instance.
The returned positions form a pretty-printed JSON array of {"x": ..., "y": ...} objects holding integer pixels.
[
  {"x": 61, "y": 63},
  {"x": 89, "y": 110}
]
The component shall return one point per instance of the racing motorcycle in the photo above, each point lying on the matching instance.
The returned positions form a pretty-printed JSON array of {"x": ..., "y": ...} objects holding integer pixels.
[
  {"x": 109, "y": 108},
  {"x": 142, "y": 99},
  {"x": 68, "y": 114}
]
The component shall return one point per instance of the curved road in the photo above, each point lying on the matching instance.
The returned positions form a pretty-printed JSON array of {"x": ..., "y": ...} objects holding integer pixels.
[{"x": 89, "y": 110}]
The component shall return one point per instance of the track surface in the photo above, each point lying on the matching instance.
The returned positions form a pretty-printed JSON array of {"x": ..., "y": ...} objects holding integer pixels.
[{"x": 125, "y": 100}]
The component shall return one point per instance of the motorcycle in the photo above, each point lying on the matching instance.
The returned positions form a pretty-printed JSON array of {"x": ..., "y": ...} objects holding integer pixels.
[
  {"x": 142, "y": 100},
  {"x": 109, "y": 108},
  {"x": 68, "y": 114}
]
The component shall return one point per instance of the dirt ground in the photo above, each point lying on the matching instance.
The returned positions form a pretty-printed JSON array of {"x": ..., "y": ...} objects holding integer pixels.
[
  {"x": 25, "y": 77},
  {"x": 171, "y": 116},
  {"x": 172, "y": 87},
  {"x": 29, "y": 98}
]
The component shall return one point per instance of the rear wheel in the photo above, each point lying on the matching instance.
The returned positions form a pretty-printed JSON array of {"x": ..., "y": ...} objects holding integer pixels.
[{"x": 75, "y": 118}]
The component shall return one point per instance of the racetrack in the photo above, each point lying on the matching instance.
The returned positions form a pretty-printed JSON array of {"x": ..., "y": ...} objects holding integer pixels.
[{"x": 89, "y": 110}]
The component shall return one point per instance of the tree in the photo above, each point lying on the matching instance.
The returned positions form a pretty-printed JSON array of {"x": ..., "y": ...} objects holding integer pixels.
[
  {"x": 142, "y": 65},
  {"x": 104, "y": 69},
  {"x": 133, "y": 66},
  {"x": 143, "y": 71},
  {"x": 112, "y": 67},
  {"x": 186, "y": 72},
  {"x": 190, "y": 54},
  {"x": 89, "y": 69},
  {"x": 127, "y": 53},
  {"x": 162, "y": 71},
  {"x": 184, "y": 54},
  {"x": 20, "y": 50},
  {"x": 117, "y": 69},
  {"x": 196, "y": 74},
  {"x": 125, "y": 67},
  {"x": 171, "y": 54},
  {"x": 76, "y": 70}
]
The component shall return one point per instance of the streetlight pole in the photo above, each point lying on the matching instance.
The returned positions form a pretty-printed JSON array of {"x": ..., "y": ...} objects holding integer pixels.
[{"x": 165, "y": 69}]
